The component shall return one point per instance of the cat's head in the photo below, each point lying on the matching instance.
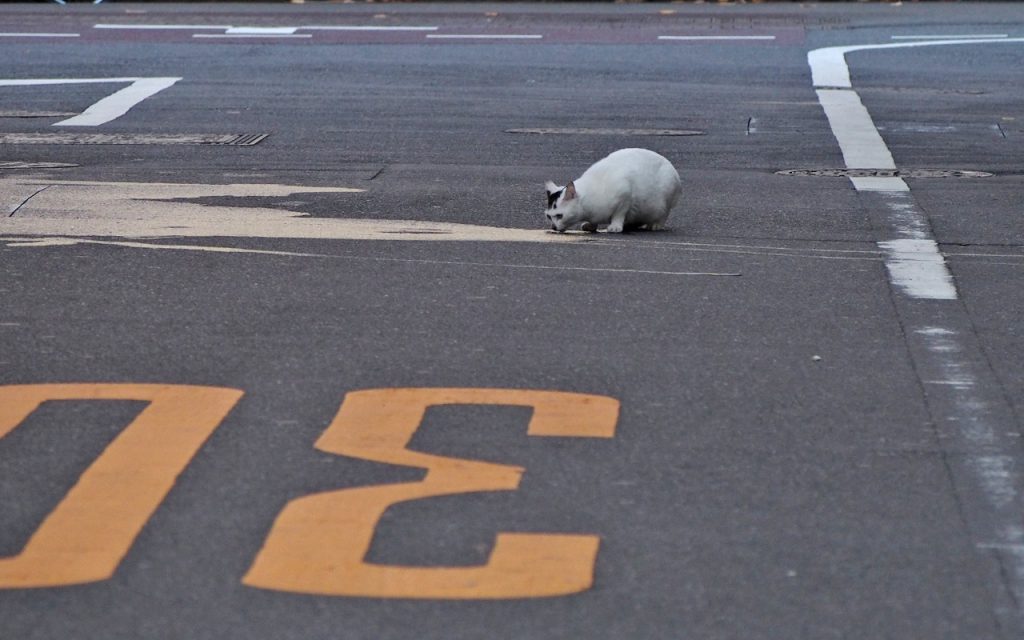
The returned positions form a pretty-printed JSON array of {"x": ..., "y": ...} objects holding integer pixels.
[{"x": 563, "y": 206}]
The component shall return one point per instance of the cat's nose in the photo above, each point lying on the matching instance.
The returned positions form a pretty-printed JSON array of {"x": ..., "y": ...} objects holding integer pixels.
[{"x": 554, "y": 228}]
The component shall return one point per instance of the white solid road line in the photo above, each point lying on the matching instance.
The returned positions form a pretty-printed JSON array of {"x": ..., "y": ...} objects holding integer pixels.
[
  {"x": 117, "y": 104},
  {"x": 67, "y": 241},
  {"x": 483, "y": 36},
  {"x": 252, "y": 35},
  {"x": 919, "y": 271},
  {"x": 964, "y": 398},
  {"x": 829, "y": 69},
  {"x": 157, "y": 27},
  {"x": 859, "y": 140},
  {"x": 951, "y": 37},
  {"x": 228, "y": 27},
  {"x": 364, "y": 28},
  {"x": 716, "y": 37},
  {"x": 39, "y": 35},
  {"x": 33, "y": 82},
  {"x": 262, "y": 30},
  {"x": 107, "y": 109},
  {"x": 919, "y": 268}
]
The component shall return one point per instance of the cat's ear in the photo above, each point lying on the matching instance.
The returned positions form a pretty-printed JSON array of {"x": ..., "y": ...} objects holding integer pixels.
[
  {"x": 550, "y": 187},
  {"x": 570, "y": 192}
]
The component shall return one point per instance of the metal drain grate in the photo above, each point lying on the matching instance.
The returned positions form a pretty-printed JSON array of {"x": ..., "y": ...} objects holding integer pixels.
[
  {"x": 234, "y": 139},
  {"x": 609, "y": 132},
  {"x": 885, "y": 173},
  {"x": 245, "y": 139}
]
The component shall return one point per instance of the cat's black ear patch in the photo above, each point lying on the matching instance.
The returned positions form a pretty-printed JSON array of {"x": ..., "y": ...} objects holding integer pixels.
[{"x": 553, "y": 197}]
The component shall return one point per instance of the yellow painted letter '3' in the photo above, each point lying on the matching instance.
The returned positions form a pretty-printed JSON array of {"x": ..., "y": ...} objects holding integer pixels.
[{"x": 318, "y": 543}]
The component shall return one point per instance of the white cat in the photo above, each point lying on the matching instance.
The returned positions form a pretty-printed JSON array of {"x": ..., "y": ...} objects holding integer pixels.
[{"x": 629, "y": 189}]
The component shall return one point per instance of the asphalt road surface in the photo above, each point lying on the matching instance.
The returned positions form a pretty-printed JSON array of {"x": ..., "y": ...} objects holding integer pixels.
[{"x": 287, "y": 350}]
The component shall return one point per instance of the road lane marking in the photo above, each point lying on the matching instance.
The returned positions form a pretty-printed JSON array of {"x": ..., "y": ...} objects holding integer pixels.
[
  {"x": 864, "y": 255},
  {"x": 32, "y": 82},
  {"x": 961, "y": 383},
  {"x": 919, "y": 272},
  {"x": 117, "y": 104},
  {"x": 262, "y": 30},
  {"x": 890, "y": 184},
  {"x": 62, "y": 242},
  {"x": 861, "y": 144},
  {"x": 983, "y": 441},
  {"x": 365, "y": 28},
  {"x": 156, "y": 27},
  {"x": 85, "y": 537},
  {"x": 982, "y": 36},
  {"x": 171, "y": 190},
  {"x": 483, "y": 36},
  {"x": 252, "y": 35},
  {"x": 716, "y": 38},
  {"x": 829, "y": 68},
  {"x": 959, "y": 254},
  {"x": 109, "y": 108},
  {"x": 227, "y": 28},
  {"x": 318, "y": 543},
  {"x": 919, "y": 268},
  {"x": 961, "y": 393},
  {"x": 39, "y": 35}
]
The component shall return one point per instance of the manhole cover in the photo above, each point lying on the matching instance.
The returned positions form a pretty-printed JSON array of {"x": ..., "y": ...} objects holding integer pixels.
[
  {"x": 885, "y": 173},
  {"x": 16, "y": 164},
  {"x": 608, "y": 132},
  {"x": 233, "y": 139}
]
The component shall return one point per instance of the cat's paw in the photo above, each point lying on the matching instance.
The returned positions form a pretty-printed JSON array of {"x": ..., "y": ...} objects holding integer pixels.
[{"x": 614, "y": 228}]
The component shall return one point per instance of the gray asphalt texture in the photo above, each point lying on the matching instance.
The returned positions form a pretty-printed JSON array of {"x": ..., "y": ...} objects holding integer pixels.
[{"x": 776, "y": 473}]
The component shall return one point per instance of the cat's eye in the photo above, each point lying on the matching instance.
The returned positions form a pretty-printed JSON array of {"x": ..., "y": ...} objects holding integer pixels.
[{"x": 558, "y": 216}]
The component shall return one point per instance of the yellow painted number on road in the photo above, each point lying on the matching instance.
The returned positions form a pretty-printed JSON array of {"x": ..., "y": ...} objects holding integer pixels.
[
  {"x": 87, "y": 534},
  {"x": 318, "y": 542}
]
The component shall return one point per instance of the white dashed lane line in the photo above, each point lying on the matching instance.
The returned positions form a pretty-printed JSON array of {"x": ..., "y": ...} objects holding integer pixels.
[{"x": 362, "y": 34}]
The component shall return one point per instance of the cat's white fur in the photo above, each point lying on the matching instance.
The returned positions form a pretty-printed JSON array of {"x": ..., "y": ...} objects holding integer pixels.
[{"x": 630, "y": 188}]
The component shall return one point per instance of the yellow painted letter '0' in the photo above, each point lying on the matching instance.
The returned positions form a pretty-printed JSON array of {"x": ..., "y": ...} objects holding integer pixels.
[{"x": 87, "y": 534}]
